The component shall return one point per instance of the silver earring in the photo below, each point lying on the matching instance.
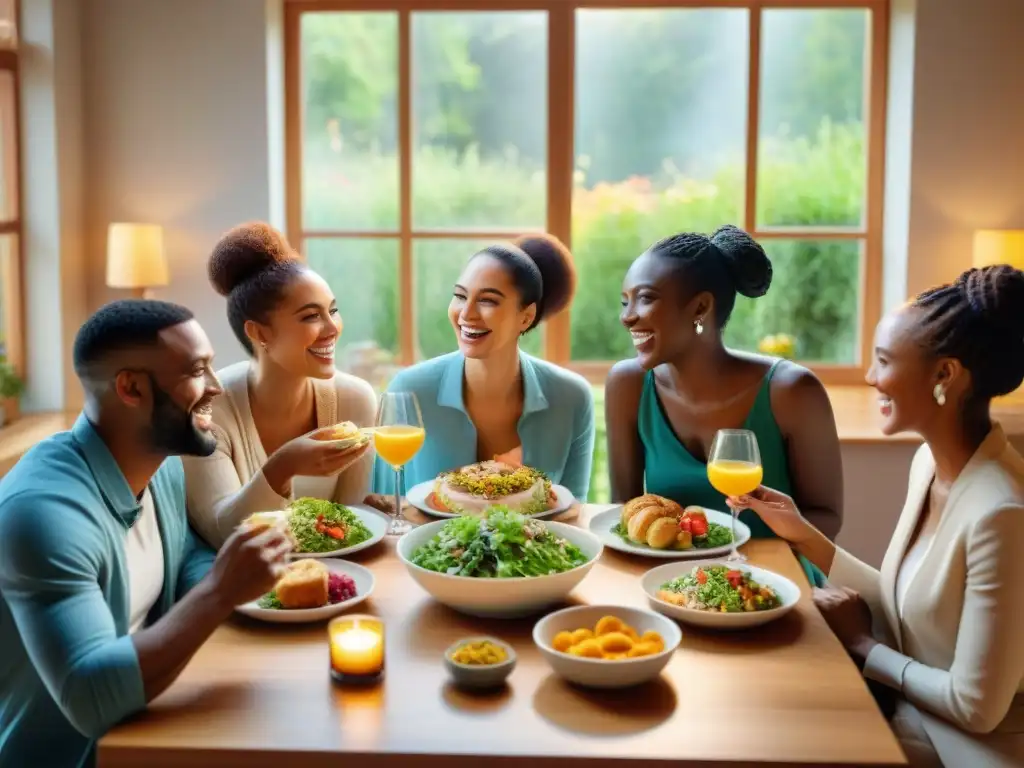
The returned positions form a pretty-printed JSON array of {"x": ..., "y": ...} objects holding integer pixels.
[
  {"x": 939, "y": 395},
  {"x": 699, "y": 326}
]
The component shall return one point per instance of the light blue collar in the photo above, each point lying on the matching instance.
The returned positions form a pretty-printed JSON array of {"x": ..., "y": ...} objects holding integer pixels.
[
  {"x": 449, "y": 391},
  {"x": 105, "y": 469}
]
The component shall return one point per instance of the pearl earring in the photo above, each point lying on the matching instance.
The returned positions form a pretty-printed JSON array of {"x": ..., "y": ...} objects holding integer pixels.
[
  {"x": 699, "y": 326},
  {"x": 939, "y": 395}
]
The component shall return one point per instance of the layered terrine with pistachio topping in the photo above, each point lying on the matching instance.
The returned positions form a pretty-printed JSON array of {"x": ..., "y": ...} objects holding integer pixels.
[{"x": 473, "y": 489}]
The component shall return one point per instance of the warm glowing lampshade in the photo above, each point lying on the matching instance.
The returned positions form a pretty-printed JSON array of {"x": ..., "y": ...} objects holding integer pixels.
[
  {"x": 135, "y": 257},
  {"x": 999, "y": 246}
]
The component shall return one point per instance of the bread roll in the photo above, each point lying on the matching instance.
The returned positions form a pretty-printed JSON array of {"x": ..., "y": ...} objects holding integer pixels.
[
  {"x": 633, "y": 506},
  {"x": 662, "y": 533},
  {"x": 304, "y": 585},
  {"x": 641, "y": 521}
]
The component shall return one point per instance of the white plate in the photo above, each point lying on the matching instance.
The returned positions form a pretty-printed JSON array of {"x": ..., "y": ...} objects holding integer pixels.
[
  {"x": 417, "y": 496},
  {"x": 376, "y": 521},
  {"x": 602, "y": 523},
  {"x": 788, "y": 592},
  {"x": 364, "y": 588}
]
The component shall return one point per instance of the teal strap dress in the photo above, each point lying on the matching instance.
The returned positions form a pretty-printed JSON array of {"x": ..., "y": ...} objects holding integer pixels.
[{"x": 670, "y": 470}]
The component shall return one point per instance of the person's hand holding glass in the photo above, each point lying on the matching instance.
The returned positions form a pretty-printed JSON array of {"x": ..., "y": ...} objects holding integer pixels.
[{"x": 397, "y": 438}]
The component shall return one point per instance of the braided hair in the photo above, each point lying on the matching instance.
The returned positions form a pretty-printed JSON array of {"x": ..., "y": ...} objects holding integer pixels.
[
  {"x": 979, "y": 320},
  {"x": 727, "y": 263}
]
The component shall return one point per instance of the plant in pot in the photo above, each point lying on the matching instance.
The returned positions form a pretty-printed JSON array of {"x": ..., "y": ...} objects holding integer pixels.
[{"x": 11, "y": 386}]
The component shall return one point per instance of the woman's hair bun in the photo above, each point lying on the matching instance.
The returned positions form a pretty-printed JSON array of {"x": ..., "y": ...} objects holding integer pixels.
[
  {"x": 557, "y": 271},
  {"x": 748, "y": 264},
  {"x": 996, "y": 295},
  {"x": 244, "y": 252}
]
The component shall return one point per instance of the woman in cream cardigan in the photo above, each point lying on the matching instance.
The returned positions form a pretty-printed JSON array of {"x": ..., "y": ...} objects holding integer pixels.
[
  {"x": 286, "y": 318},
  {"x": 942, "y": 623}
]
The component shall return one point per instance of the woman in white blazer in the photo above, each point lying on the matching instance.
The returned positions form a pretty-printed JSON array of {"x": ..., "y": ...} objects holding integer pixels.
[
  {"x": 286, "y": 318},
  {"x": 942, "y": 623}
]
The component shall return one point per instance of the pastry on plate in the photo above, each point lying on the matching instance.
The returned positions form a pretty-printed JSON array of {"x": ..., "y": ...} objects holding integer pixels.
[
  {"x": 304, "y": 585},
  {"x": 345, "y": 432}
]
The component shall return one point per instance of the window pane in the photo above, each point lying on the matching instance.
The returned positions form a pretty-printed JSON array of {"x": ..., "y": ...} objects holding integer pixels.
[
  {"x": 437, "y": 264},
  {"x": 480, "y": 120},
  {"x": 350, "y": 121},
  {"x": 660, "y": 139},
  {"x": 8, "y": 148},
  {"x": 811, "y": 159},
  {"x": 814, "y": 299},
  {"x": 363, "y": 273}
]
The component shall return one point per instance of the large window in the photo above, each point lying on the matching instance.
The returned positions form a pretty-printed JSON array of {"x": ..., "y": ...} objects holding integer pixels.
[
  {"x": 11, "y": 331},
  {"x": 419, "y": 131}
]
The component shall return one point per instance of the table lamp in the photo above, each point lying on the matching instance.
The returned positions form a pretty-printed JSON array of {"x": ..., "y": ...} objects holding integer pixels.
[
  {"x": 135, "y": 258},
  {"x": 1001, "y": 246}
]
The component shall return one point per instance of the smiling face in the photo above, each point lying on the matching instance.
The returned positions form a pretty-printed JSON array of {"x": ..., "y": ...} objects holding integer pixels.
[
  {"x": 485, "y": 311},
  {"x": 171, "y": 387},
  {"x": 659, "y": 312},
  {"x": 302, "y": 330},
  {"x": 905, "y": 375}
]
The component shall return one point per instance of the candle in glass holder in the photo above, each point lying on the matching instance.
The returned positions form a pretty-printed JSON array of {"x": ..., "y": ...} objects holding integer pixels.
[{"x": 357, "y": 648}]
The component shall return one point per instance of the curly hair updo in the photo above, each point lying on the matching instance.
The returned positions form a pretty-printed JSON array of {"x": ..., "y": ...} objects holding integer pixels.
[
  {"x": 252, "y": 265},
  {"x": 542, "y": 270}
]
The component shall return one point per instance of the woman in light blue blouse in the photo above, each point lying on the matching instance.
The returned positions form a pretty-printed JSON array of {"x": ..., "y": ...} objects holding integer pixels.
[{"x": 491, "y": 400}]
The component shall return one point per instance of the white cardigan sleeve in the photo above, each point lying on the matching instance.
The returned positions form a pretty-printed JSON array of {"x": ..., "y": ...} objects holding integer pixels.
[
  {"x": 848, "y": 571},
  {"x": 218, "y": 499},
  {"x": 988, "y": 664}
]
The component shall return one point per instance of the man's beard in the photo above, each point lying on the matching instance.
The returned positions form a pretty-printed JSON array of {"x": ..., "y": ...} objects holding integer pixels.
[{"x": 171, "y": 429}]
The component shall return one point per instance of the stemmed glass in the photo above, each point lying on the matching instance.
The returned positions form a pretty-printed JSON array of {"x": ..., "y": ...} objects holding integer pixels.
[
  {"x": 397, "y": 438},
  {"x": 734, "y": 469}
]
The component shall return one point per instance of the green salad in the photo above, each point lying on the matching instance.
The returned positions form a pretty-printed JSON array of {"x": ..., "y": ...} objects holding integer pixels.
[
  {"x": 502, "y": 544},
  {"x": 319, "y": 525},
  {"x": 721, "y": 589}
]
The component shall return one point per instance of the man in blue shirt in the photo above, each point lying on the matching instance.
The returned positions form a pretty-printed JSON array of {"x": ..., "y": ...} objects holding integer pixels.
[{"x": 105, "y": 593}]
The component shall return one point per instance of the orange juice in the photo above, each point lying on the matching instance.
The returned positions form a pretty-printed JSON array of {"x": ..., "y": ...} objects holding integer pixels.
[
  {"x": 734, "y": 478},
  {"x": 398, "y": 444}
]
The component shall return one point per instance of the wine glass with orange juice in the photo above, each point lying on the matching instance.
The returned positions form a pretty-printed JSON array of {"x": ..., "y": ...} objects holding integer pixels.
[
  {"x": 397, "y": 438},
  {"x": 734, "y": 469}
]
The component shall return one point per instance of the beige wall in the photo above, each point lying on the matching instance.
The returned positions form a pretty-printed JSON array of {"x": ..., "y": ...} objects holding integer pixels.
[
  {"x": 967, "y": 160},
  {"x": 177, "y": 133},
  {"x": 181, "y": 125}
]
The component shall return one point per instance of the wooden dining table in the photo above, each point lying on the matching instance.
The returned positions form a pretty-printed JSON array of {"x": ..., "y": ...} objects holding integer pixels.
[{"x": 260, "y": 695}]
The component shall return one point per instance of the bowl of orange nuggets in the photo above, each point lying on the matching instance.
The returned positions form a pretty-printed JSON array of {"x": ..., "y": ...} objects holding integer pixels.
[{"x": 604, "y": 646}]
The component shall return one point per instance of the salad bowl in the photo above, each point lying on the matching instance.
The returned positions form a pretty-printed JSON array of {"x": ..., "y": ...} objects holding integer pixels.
[
  {"x": 532, "y": 579},
  {"x": 787, "y": 594}
]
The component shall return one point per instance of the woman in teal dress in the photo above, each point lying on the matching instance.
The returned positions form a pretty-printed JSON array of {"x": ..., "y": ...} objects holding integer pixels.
[{"x": 664, "y": 406}]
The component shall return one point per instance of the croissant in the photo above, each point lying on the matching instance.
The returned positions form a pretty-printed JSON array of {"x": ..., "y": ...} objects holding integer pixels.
[
  {"x": 633, "y": 506},
  {"x": 642, "y": 520},
  {"x": 662, "y": 533}
]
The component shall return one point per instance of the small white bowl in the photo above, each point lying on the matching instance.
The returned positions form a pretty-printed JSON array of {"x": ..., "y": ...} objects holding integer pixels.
[
  {"x": 606, "y": 673},
  {"x": 479, "y": 675},
  {"x": 788, "y": 592},
  {"x": 499, "y": 598}
]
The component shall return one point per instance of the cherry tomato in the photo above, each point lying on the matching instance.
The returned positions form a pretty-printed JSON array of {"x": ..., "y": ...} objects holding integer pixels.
[
  {"x": 335, "y": 532},
  {"x": 734, "y": 577},
  {"x": 685, "y": 525},
  {"x": 699, "y": 526},
  {"x": 702, "y": 578}
]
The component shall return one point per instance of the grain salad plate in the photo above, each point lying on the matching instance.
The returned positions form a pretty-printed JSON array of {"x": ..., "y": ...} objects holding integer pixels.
[
  {"x": 360, "y": 526},
  {"x": 603, "y": 526}
]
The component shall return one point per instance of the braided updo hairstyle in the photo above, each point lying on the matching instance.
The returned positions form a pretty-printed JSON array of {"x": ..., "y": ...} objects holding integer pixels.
[
  {"x": 979, "y": 320},
  {"x": 727, "y": 263},
  {"x": 252, "y": 265}
]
